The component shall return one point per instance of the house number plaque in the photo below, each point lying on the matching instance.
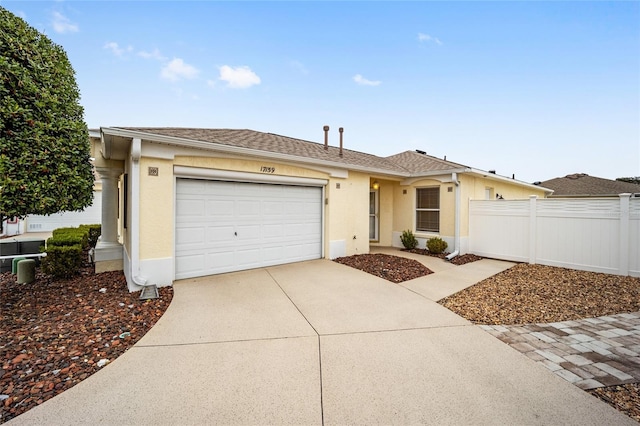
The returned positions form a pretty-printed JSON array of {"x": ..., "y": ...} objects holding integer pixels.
[{"x": 265, "y": 169}]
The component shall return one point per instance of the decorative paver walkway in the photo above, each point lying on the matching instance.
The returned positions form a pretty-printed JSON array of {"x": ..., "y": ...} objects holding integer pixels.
[{"x": 589, "y": 353}]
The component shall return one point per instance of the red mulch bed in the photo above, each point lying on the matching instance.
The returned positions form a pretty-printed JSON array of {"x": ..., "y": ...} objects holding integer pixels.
[
  {"x": 392, "y": 268},
  {"x": 54, "y": 333}
]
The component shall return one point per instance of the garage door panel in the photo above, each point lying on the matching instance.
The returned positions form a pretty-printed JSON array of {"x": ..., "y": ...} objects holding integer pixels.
[
  {"x": 248, "y": 208},
  {"x": 220, "y": 208},
  {"x": 272, "y": 254},
  {"x": 272, "y": 231},
  {"x": 192, "y": 187},
  {"x": 224, "y": 260},
  {"x": 272, "y": 208},
  {"x": 244, "y": 225},
  {"x": 221, "y": 189},
  {"x": 248, "y": 233},
  {"x": 220, "y": 234},
  {"x": 190, "y": 264},
  {"x": 301, "y": 251},
  {"x": 300, "y": 229},
  {"x": 191, "y": 236},
  {"x": 249, "y": 257}
]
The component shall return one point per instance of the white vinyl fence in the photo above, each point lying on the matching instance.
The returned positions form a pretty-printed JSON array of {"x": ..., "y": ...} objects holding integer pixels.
[{"x": 591, "y": 234}]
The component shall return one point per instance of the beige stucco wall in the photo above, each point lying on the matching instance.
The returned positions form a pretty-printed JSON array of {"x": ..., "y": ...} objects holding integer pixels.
[
  {"x": 386, "y": 195},
  {"x": 347, "y": 213},
  {"x": 156, "y": 209},
  {"x": 250, "y": 166},
  {"x": 404, "y": 204},
  {"x": 471, "y": 187}
]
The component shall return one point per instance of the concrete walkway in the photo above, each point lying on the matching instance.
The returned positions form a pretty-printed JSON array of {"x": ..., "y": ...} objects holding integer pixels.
[{"x": 321, "y": 343}]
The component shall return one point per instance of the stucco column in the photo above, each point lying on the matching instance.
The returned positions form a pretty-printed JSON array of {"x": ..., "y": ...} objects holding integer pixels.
[
  {"x": 109, "y": 177},
  {"x": 108, "y": 252}
]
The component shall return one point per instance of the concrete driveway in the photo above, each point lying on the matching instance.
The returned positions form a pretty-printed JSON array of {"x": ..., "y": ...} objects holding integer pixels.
[{"x": 321, "y": 343}]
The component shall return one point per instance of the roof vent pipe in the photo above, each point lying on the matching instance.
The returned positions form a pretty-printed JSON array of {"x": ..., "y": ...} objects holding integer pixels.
[
  {"x": 341, "y": 130},
  {"x": 326, "y": 137}
]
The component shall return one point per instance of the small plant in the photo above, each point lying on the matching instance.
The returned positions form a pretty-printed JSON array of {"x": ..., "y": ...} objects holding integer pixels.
[
  {"x": 436, "y": 245},
  {"x": 409, "y": 241}
]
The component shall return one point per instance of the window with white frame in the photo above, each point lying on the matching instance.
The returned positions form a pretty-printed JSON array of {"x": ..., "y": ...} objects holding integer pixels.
[
  {"x": 428, "y": 209},
  {"x": 374, "y": 220}
]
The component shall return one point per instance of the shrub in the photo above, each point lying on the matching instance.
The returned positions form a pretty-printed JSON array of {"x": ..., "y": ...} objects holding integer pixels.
[
  {"x": 65, "y": 240},
  {"x": 409, "y": 241},
  {"x": 66, "y": 250},
  {"x": 436, "y": 245},
  {"x": 62, "y": 261},
  {"x": 94, "y": 233},
  {"x": 70, "y": 236}
]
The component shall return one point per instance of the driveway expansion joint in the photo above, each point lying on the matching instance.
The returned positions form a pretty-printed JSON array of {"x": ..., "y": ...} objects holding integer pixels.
[
  {"x": 393, "y": 330},
  {"x": 590, "y": 353},
  {"x": 216, "y": 342}
]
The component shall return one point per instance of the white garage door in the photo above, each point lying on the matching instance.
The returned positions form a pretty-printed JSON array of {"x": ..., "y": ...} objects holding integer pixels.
[{"x": 231, "y": 226}]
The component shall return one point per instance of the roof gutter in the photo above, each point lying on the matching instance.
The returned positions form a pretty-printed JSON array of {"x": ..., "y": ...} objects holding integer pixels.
[
  {"x": 415, "y": 177},
  {"x": 213, "y": 146},
  {"x": 506, "y": 179}
]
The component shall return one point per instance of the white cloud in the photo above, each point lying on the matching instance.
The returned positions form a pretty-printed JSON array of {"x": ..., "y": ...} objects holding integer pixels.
[
  {"x": 116, "y": 49},
  {"x": 62, "y": 24},
  {"x": 428, "y": 39},
  {"x": 238, "y": 77},
  {"x": 178, "y": 69},
  {"x": 364, "y": 82},
  {"x": 155, "y": 54}
]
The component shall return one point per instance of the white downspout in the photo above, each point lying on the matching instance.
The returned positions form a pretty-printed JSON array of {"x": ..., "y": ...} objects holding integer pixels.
[
  {"x": 136, "y": 152},
  {"x": 456, "y": 236}
]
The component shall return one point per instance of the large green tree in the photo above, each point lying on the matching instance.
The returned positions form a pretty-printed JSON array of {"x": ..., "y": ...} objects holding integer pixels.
[{"x": 44, "y": 142}]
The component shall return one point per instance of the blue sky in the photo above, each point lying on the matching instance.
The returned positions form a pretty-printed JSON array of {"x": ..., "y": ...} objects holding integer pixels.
[{"x": 535, "y": 89}]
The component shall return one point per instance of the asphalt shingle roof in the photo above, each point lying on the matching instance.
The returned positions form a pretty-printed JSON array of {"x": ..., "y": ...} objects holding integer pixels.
[
  {"x": 417, "y": 163},
  {"x": 581, "y": 184},
  {"x": 270, "y": 142}
]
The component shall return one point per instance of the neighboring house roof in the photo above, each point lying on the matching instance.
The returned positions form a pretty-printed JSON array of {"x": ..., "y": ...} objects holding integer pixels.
[{"x": 583, "y": 185}]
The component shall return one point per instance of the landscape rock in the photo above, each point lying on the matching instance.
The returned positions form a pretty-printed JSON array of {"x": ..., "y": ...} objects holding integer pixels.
[{"x": 50, "y": 327}]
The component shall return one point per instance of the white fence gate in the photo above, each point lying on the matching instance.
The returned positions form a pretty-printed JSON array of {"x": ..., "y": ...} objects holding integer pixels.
[{"x": 599, "y": 235}]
